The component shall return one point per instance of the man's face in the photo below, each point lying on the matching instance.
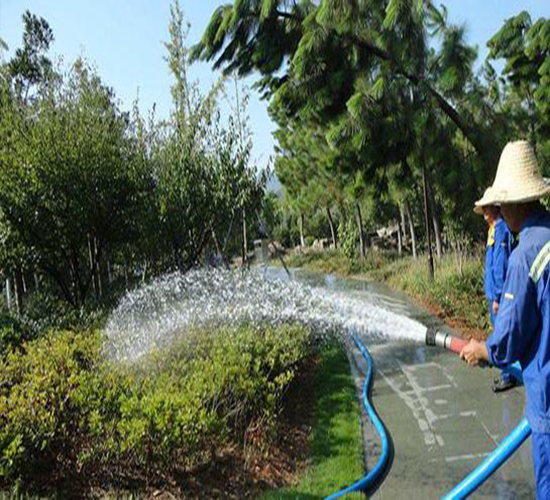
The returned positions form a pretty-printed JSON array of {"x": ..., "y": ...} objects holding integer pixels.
[
  {"x": 512, "y": 216},
  {"x": 490, "y": 214}
]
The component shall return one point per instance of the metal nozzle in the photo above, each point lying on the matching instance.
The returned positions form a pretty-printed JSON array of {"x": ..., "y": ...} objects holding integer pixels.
[
  {"x": 430, "y": 336},
  {"x": 445, "y": 340}
]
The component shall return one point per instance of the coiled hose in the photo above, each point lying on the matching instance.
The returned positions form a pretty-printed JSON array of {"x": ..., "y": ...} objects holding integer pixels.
[{"x": 371, "y": 478}]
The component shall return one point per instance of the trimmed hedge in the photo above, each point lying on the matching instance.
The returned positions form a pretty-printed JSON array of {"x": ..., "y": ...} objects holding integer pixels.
[{"x": 64, "y": 410}]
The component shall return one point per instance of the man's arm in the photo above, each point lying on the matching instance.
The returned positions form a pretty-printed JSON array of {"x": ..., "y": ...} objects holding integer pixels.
[
  {"x": 517, "y": 319},
  {"x": 515, "y": 325},
  {"x": 501, "y": 253}
]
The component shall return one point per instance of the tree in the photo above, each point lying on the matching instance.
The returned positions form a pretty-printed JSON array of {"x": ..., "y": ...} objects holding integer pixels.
[
  {"x": 525, "y": 46},
  {"x": 64, "y": 188}
]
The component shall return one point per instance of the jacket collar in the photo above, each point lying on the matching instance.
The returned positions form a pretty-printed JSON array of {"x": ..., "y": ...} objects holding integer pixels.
[{"x": 532, "y": 219}]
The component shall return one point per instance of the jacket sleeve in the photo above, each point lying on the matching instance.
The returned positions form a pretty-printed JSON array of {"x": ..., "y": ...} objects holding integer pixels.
[
  {"x": 517, "y": 319},
  {"x": 501, "y": 253}
]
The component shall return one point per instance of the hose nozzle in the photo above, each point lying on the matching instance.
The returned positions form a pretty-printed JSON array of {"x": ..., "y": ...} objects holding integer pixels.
[{"x": 446, "y": 340}]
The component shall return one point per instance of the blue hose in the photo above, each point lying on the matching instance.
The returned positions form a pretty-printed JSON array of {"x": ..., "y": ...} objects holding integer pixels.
[
  {"x": 501, "y": 453},
  {"x": 483, "y": 471},
  {"x": 374, "y": 474}
]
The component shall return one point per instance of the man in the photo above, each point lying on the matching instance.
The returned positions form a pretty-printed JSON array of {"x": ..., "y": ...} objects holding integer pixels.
[
  {"x": 522, "y": 328},
  {"x": 499, "y": 246}
]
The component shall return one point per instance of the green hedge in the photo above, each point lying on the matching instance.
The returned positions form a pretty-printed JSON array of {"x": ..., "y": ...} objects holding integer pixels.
[{"x": 63, "y": 409}]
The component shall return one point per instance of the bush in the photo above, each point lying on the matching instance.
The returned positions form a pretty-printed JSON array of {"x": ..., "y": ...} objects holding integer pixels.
[
  {"x": 45, "y": 310},
  {"x": 348, "y": 235},
  {"x": 13, "y": 332},
  {"x": 39, "y": 415},
  {"x": 64, "y": 410}
]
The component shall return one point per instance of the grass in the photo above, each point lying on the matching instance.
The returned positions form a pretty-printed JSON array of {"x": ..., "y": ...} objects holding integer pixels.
[
  {"x": 457, "y": 290},
  {"x": 334, "y": 261},
  {"x": 336, "y": 443}
]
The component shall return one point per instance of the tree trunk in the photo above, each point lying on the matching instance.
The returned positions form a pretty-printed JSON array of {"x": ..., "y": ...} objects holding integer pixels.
[
  {"x": 218, "y": 247},
  {"x": 126, "y": 272},
  {"x": 435, "y": 221},
  {"x": 18, "y": 279},
  {"x": 399, "y": 240},
  {"x": 76, "y": 282},
  {"x": 9, "y": 296},
  {"x": 411, "y": 229},
  {"x": 109, "y": 273},
  {"x": 245, "y": 242},
  {"x": 301, "y": 224},
  {"x": 332, "y": 228},
  {"x": 97, "y": 263},
  {"x": 427, "y": 224},
  {"x": 93, "y": 270},
  {"x": 359, "y": 219},
  {"x": 36, "y": 281},
  {"x": 403, "y": 224}
]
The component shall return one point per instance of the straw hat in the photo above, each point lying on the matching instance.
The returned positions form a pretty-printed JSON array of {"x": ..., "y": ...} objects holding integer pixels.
[
  {"x": 484, "y": 201},
  {"x": 518, "y": 178}
]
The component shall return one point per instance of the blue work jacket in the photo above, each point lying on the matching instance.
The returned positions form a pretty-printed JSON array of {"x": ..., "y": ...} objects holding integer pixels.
[
  {"x": 499, "y": 247},
  {"x": 522, "y": 329}
]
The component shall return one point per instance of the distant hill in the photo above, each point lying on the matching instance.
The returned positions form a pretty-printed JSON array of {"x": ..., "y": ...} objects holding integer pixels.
[{"x": 273, "y": 185}]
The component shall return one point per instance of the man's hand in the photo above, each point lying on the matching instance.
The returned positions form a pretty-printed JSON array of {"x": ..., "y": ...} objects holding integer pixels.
[
  {"x": 495, "y": 307},
  {"x": 474, "y": 353}
]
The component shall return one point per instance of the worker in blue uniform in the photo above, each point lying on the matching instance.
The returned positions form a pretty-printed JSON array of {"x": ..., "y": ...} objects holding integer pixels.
[
  {"x": 499, "y": 247},
  {"x": 522, "y": 328}
]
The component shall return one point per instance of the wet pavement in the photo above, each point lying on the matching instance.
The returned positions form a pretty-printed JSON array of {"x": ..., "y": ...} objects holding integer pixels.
[
  {"x": 441, "y": 415},
  {"x": 443, "y": 419}
]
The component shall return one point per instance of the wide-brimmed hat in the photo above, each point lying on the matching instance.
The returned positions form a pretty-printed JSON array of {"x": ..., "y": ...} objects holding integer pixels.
[
  {"x": 518, "y": 178},
  {"x": 485, "y": 201}
]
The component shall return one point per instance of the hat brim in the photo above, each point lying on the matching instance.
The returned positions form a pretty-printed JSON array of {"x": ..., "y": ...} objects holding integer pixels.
[
  {"x": 505, "y": 199},
  {"x": 486, "y": 201}
]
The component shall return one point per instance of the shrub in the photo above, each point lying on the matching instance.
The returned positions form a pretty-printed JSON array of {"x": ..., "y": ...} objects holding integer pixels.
[
  {"x": 39, "y": 417},
  {"x": 63, "y": 409},
  {"x": 12, "y": 332},
  {"x": 347, "y": 232},
  {"x": 458, "y": 290}
]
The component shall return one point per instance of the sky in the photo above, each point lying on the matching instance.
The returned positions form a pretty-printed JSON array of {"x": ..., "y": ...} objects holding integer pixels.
[{"x": 124, "y": 40}]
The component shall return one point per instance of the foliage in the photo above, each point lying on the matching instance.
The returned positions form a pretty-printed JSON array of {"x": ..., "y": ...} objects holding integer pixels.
[
  {"x": 13, "y": 333},
  {"x": 90, "y": 194},
  {"x": 63, "y": 409},
  {"x": 347, "y": 232},
  {"x": 380, "y": 99},
  {"x": 457, "y": 290}
]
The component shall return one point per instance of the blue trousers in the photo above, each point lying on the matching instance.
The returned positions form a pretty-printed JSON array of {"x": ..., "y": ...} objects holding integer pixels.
[{"x": 541, "y": 464}]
